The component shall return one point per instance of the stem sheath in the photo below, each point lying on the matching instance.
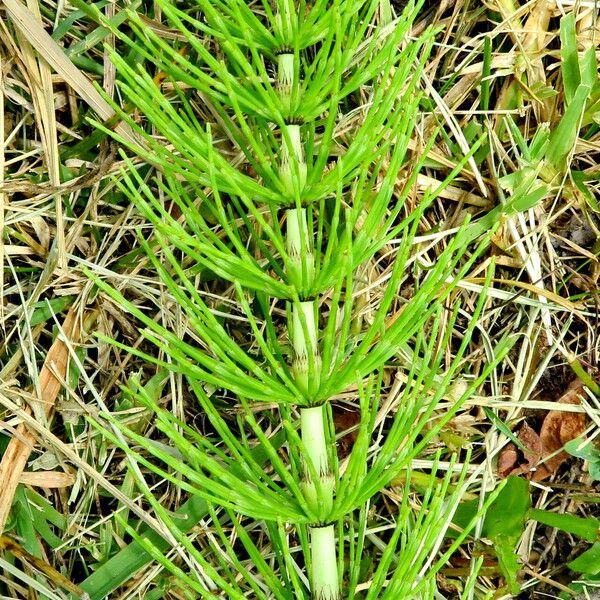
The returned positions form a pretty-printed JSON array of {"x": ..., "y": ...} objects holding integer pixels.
[{"x": 324, "y": 564}]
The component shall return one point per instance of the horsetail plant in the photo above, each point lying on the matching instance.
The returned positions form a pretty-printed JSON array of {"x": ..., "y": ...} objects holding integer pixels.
[{"x": 280, "y": 131}]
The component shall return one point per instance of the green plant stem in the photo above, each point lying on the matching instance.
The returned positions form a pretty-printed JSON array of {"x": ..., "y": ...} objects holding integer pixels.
[
  {"x": 306, "y": 362},
  {"x": 318, "y": 481},
  {"x": 302, "y": 264},
  {"x": 114, "y": 572},
  {"x": 324, "y": 563},
  {"x": 313, "y": 438},
  {"x": 319, "y": 494}
]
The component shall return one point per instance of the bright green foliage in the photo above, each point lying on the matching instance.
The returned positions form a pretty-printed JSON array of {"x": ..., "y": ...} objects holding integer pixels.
[
  {"x": 586, "y": 528},
  {"x": 284, "y": 131},
  {"x": 588, "y": 562},
  {"x": 545, "y": 160},
  {"x": 586, "y": 451},
  {"x": 504, "y": 525}
]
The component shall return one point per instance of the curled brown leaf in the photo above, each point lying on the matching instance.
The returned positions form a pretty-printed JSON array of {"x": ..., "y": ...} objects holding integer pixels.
[{"x": 543, "y": 453}]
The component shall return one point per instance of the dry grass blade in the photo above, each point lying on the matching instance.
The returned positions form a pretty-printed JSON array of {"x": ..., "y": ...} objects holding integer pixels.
[
  {"x": 2, "y": 195},
  {"x": 50, "y": 572},
  {"x": 66, "y": 449},
  {"x": 47, "y": 479},
  {"x": 20, "y": 446},
  {"x": 33, "y": 31},
  {"x": 42, "y": 93}
]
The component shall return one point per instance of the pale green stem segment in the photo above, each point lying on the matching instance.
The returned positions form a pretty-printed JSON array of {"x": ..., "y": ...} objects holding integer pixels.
[
  {"x": 292, "y": 170},
  {"x": 318, "y": 492},
  {"x": 311, "y": 426},
  {"x": 318, "y": 487},
  {"x": 324, "y": 563},
  {"x": 285, "y": 79},
  {"x": 299, "y": 247},
  {"x": 306, "y": 365}
]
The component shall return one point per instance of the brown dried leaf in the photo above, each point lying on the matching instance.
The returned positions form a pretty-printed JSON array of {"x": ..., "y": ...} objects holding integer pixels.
[
  {"x": 558, "y": 428},
  {"x": 508, "y": 461},
  {"x": 344, "y": 420}
]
